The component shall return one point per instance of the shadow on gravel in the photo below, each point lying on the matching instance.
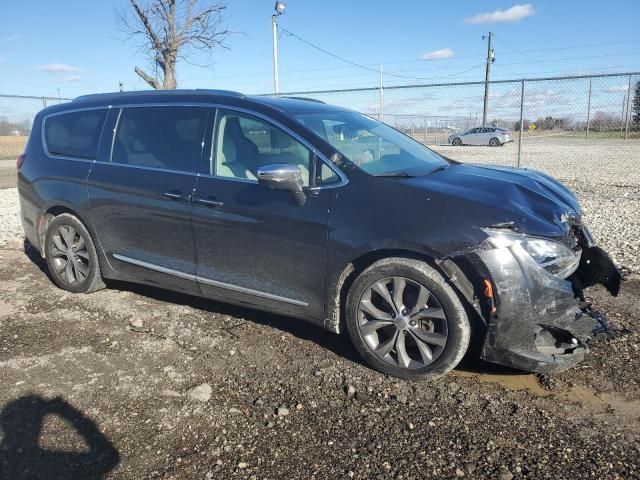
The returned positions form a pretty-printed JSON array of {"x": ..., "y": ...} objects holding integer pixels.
[{"x": 22, "y": 457}]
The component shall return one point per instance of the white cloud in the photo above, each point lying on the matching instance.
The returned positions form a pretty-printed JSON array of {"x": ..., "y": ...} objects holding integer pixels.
[
  {"x": 58, "y": 68},
  {"x": 438, "y": 54},
  {"x": 10, "y": 38},
  {"x": 618, "y": 88},
  {"x": 72, "y": 78},
  {"x": 513, "y": 15}
]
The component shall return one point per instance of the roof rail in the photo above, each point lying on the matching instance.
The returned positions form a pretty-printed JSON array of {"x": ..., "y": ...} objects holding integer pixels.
[
  {"x": 159, "y": 92},
  {"x": 307, "y": 99}
]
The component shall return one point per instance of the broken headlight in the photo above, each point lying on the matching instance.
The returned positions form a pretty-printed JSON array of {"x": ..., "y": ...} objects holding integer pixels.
[{"x": 555, "y": 257}]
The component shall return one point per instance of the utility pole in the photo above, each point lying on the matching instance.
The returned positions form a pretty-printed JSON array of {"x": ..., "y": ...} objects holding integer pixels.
[
  {"x": 490, "y": 59},
  {"x": 279, "y": 8}
]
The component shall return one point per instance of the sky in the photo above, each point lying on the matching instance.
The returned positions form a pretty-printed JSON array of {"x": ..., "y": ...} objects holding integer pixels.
[{"x": 75, "y": 45}]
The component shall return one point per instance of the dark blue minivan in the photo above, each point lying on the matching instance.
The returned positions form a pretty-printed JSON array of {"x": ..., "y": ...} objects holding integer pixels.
[{"x": 317, "y": 213}]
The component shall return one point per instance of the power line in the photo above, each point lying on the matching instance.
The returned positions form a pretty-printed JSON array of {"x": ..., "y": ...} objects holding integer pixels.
[{"x": 368, "y": 68}]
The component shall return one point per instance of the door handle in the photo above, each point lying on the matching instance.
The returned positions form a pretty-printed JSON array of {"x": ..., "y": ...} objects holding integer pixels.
[
  {"x": 174, "y": 195},
  {"x": 208, "y": 202}
]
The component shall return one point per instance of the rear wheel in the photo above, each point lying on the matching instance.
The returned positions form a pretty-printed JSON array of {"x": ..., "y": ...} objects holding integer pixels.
[
  {"x": 456, "y": 141},
  {"x": 405, "y": 320},
  {"x": 71, "y": 255},
  {"x": 494, "y": 142}
]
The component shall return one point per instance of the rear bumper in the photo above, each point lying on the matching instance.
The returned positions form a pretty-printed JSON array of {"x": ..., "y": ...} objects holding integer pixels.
[{"x": 538, "y": 324}]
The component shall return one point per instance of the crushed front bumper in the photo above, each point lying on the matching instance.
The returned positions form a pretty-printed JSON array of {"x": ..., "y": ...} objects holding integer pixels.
[{"x": 537, "y": 321}]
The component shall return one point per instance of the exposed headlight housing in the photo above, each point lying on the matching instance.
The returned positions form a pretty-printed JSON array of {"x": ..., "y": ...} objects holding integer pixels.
[{"x": 555, "y": 257}]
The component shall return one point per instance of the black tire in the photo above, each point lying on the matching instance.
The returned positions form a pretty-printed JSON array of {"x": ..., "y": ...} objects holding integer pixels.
[
  {"x": 59, "y": 248},
  {"x": 495, "y": 142},
  {"x": 456, "y": 142},
  {"x": 458, "y": 329}
]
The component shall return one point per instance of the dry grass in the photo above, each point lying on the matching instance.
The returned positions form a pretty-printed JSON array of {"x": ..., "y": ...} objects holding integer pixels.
[{"x": 11, "y": 147}]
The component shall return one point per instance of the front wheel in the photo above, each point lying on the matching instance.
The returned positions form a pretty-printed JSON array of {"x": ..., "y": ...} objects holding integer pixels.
[
  {"x": 494, "y": 142},
  {"x": 405, "y": 320},
  {"x": 456, "y": 142},
  {"x": 71, "y": 255}
]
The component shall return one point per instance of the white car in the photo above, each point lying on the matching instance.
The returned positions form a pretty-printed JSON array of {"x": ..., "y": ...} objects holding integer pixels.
[{"x": 492, "y": 136}]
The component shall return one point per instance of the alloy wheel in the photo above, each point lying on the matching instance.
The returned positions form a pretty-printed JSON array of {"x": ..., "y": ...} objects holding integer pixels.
[
  {"x": 402, "y": 322},
  {"x": 69, "y": 255}
]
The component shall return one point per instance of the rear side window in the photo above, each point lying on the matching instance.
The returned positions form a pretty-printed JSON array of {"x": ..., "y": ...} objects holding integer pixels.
[
  {"x": 74, "y": 134},
  {"x": 160, "y": 137}
]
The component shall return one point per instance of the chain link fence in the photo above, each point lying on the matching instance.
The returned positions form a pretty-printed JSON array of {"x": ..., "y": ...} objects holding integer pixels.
[{"x": 16, "y": 116}]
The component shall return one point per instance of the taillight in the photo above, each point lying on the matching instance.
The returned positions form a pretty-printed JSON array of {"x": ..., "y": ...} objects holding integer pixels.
[{"x": 20, "y": 161}]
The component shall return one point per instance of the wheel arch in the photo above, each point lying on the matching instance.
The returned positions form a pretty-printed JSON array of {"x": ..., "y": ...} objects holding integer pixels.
[
  {"x": 457, "y": 278},
  {"x": 349, "y": 272},
  {"x": 51, "y": 211}
]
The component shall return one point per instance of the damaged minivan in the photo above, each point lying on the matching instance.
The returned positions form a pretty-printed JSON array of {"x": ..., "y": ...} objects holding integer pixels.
[{"x": 317, "y": 213}]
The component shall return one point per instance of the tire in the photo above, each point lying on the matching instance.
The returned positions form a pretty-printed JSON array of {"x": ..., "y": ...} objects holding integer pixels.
[
  {"x": 457, "y": 142},
  {"x": 494, "y": 142},
  {"x": 441, "y": 321},
  {"x": 66, "y": 236}
]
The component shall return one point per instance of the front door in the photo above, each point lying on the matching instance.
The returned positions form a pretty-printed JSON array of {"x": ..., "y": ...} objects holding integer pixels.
[
  {"x": 140, "y": 193},
  {"x": 254, "y": 244}
]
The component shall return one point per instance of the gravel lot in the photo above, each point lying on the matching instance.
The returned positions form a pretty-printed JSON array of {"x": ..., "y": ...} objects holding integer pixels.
[{"x": 134, "y": 382}]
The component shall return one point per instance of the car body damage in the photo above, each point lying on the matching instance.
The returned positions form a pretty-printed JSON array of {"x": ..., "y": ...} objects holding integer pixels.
[{"x": 536, "y": 318}]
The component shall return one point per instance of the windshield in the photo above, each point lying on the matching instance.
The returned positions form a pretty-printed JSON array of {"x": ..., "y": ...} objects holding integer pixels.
[{"x": 372, "y": 145}]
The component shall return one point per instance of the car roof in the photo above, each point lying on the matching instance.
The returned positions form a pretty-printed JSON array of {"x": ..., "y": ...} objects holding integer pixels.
[{"x": 287, "y": 105}]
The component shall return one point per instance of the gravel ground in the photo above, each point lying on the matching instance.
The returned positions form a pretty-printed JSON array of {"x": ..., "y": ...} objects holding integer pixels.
[{"x": 135, "y": 383}]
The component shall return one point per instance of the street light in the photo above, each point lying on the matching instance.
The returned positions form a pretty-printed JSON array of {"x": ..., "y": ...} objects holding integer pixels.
[{"x": 279, "y": 8}]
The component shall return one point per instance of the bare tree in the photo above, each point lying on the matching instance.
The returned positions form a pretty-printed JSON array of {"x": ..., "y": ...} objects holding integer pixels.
[{"x": 173, "y": 30}]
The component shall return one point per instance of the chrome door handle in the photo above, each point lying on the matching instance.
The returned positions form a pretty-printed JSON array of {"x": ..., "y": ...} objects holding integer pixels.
[
  {"x": 208, "y": 202},
  {"x": 174, "y": 195}
]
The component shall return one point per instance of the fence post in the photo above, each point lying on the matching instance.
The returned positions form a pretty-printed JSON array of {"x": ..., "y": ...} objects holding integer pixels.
[
  {"x": 626, "y": 130},
  {"x": 521, "y": 121},
  {"x": 589, "y": 110},
  {"x": 381, "y": 100},
  {"x": 622, "y": 117},
  {"x": 44, "y": 102},
  {"x": 426, "y": 131}
]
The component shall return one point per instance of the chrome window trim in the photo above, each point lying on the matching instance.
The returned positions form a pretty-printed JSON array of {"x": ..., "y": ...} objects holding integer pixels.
[
  {"x": 142, "y": 167},
  {"x": 113, "y": 134},
  {"x": 343, "y": 178},
  {"x": 43, "y": 129},
  {"x": 208, "y": 281}
]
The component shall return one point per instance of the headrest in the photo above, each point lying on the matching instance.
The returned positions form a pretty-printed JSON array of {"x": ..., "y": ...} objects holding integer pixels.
[{"x": 279, "y": 139}]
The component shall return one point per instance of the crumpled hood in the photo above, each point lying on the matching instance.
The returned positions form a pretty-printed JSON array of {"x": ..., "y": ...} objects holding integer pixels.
[{"x": 534, "y": 202}]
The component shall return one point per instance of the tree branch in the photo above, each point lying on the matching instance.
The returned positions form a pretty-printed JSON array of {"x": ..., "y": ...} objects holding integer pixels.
[{"x": 149, "y": 79}]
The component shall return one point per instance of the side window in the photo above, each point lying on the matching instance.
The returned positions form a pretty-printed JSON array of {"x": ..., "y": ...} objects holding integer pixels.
[
  {"x": 74, "y": 134},
  {"x": 243, "y": 144},
  {"x": 160, "y": 137},
  {"x": 327, "y": 175}
]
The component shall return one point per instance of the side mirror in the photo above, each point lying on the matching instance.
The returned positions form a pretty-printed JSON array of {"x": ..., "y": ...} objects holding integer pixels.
[{"x": 283, "y": 176}]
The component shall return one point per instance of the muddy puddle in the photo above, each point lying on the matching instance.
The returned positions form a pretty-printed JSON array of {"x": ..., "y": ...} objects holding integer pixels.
[{"x": 587, "y": 397}]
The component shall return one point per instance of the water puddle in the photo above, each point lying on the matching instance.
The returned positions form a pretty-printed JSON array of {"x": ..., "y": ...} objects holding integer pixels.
[{"x": 587, "y": 397}]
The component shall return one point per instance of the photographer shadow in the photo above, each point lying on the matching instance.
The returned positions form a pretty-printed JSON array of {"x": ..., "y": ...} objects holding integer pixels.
[{"x": 21, "y": 456}]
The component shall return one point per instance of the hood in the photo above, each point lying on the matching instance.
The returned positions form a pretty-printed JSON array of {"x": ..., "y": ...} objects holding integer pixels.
[{"x": 484, "y": 195}]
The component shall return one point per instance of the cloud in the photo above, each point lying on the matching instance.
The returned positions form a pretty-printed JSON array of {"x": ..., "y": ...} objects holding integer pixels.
[
  {"x": 58, "y": 68},
  {"x": 72, "y": 78},
  {"x": 513, "y": 15},
  {"x": 438, "y": 54},
  {"x": 12, "y": 37},
  {"x": 618, "y": 88}
]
